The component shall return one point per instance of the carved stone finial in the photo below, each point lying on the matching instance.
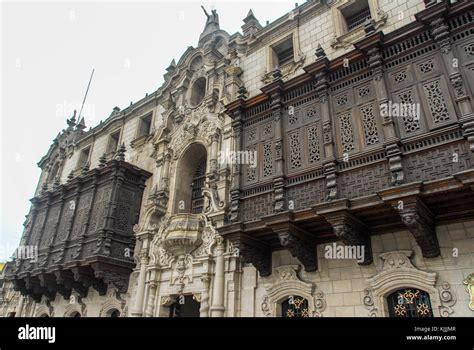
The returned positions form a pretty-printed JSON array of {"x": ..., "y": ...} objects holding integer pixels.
[
  {"x": 72, "y": 122},
  {"x": 81, "y": 125},
  {"x": 320, "y": 53},
  {"x": 369, "y": 27},
  {"x": 121, "y": 153},
  {"x": 276, "y": 74},
  {"x": 242, "y": 92},
  {"x": 57, "y": 181},
  {"x": 70, "y": 176},
  {"x": 85, "y": 169},
  {"x": 102, "y": 161}
]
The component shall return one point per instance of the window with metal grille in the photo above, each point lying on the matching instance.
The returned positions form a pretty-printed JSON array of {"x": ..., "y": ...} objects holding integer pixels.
[
  {"x": 358, "y": 18},
  {"x": 409, "y": 302},
  {"x": 197, "y": 198},
  {"x": 294, "y": 306}
]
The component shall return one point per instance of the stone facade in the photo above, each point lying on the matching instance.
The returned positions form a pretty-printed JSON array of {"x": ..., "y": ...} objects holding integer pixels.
[{"x": 215, "y": 238}]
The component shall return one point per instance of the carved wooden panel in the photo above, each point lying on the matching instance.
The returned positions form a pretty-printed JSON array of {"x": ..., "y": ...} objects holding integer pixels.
[
  {"x": 35, "y": 234},
  {"x": 345, "y": 134},
  {"x": 267, "y": 170},
  {"x": 99, "y": 209},
  {"x": 303, "y": 137},
  {"x": 81, "y": 217},
  {"x": 464, "y": 50},
  {"x": 295, "y": 151},
  {"x": 370, "y": 126},
  {"x": 364, "y": 180},
  {"x": 408, "y": 120},
  {"x": 124, "y": 212},
  {"x": 51, "y": 222},
  {"x": 65, "y": 221},
  {"x": 307, "y": 194},
  {"x": 250, "y": 171},
  {"x": 437, "y": 102},
  {"x": 436, "y": 163},
  {"x": 255, "y": 207}
]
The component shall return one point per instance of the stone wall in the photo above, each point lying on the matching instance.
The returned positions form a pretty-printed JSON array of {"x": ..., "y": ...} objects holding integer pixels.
[{"x": 345, "y": 284}]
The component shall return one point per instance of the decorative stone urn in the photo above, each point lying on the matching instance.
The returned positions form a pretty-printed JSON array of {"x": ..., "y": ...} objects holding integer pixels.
[{"x": 184, "y": 234}]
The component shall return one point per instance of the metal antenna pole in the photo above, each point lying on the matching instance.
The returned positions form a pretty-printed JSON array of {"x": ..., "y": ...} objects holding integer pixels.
[{"x": 85, "y": 96}]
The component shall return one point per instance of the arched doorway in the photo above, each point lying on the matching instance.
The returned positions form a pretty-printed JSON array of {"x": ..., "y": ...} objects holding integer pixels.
[
  {"x": 75, "y": 314},
  {"x": 190, "y": 179},
  {"x": 113, "y": 313}
]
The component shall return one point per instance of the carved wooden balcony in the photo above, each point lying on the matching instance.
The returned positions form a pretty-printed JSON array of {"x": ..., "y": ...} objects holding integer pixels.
[
  {"x": 82, "y": 231},
  {"x": 338, "y": 161}
]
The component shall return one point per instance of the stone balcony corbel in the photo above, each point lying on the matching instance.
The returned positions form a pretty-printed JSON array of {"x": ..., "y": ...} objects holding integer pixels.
[
  {"x": 350, "y": 230},
  {"x": 249, "y": 249},
  {"x": 466, "y": 178},
  {"x": 299, "y": 242},
  {"x": 415, "y": 215}
]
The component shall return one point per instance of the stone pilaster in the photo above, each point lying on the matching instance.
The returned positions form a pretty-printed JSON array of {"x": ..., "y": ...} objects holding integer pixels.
[{"x": 218, "y": 308}]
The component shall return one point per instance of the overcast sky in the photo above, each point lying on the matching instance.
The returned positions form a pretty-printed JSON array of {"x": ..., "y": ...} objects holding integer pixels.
[{"x": 48, "y": 50}]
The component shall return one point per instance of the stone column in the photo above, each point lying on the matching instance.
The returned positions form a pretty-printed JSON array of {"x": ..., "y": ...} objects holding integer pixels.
[
  {"x": 20, "y": 306},
  {"x": 140, "y": 293},
  {"x": 204, "y": 309},
  {"x": 214, "y": 146},
  {"x": 217, "y": 308},
  {"x": 164, "y": 181},
  {"x": 150, "y": 308}
]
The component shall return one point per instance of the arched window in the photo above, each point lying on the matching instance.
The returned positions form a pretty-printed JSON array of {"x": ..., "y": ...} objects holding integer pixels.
[
  {"x": 294, "y": 306},
  {"x": 198, "y": 91},
  {"x": 113, "y": 313},
  {"x": 409, "y": 302},
  {"x": 54, "y": 172},
  {"x": 197, "y": 198},
  {"x": 190, "y": 179}
]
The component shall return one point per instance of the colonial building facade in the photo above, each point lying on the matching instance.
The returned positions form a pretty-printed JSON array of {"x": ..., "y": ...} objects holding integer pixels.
[{"x": 320, "y": 165}]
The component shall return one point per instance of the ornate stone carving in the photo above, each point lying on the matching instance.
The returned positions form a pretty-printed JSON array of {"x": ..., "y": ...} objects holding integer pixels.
[
  {"x": 299, "y": 243},
  {"x": 182, "y": 273},
  {"x": 469, "y": 283},
  {"x": 167, "y": 300},
  {"x": 289, "y": 284},
  {"x": 419, "y": 221},
  {"x": 255, "y": 253},
  {"x": 183, "y": 234},
  {"x": 448, "y": 299},
  {"x": 214, "y": 202},
  {"x": 398, "y": 272},
  {"x": 369, "y": 304},
  {"x": 350, "y": 231}
]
